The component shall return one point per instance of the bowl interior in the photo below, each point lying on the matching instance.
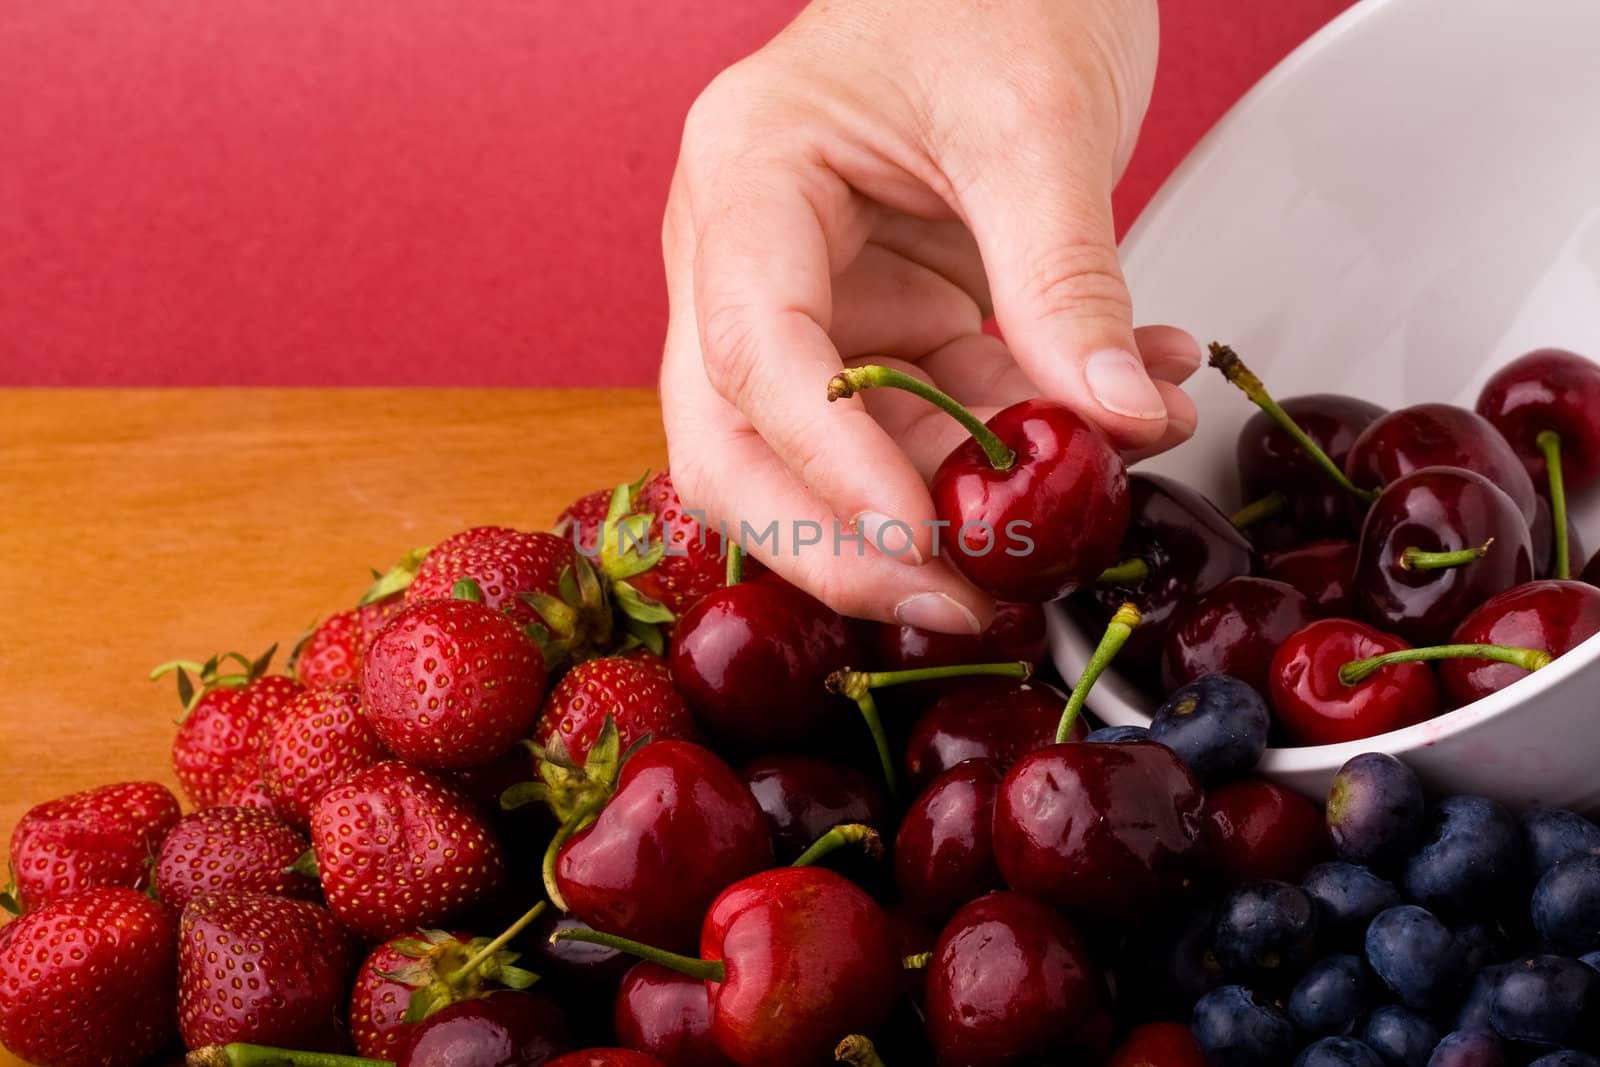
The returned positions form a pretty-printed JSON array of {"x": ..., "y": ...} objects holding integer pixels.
[{"x": 1405, "y": 204}]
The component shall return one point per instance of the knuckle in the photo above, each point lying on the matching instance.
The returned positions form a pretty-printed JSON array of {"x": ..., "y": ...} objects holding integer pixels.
[
  {"x": 729, "y": 347},
  {"x": 1083, "y": 279}
]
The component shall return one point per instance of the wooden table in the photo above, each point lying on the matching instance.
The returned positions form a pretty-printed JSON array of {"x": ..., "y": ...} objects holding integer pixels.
[{"x": 142, "y": 526}]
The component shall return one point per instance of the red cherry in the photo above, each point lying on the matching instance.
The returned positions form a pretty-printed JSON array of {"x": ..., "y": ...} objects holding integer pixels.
[
  {"x": 1017, "y": 632},
  {"x": 803, "y": 798},
  {"x": 1235, "y": 629},
  {"x": 1473, "y": 543},
  {"x": 503, "y": 1029},
  {"x": 1438, "y": 435},
  {"x": 1271, "y": 461},
  {"x": 1553, "y": 616},
  {"x": 753, "y": 660},
  {"x": 1548, "y": 389},
  {"x": 1107, "y": 831},
  {"x": 1261, "y": 831},
  {"x": 985, "y": 718},
  {"x": 607, "y": 1057},
  {"x": 1317, "y": 708},
  {"x": 944, "y": 852},
  {"x": 1158, "y": 1045},
  {"x": 680, "y": 827},
  {"x": 1324, "y": 571},
  {"x": 667, "y": 1015},
  {"x": 1011, "y": 981}
]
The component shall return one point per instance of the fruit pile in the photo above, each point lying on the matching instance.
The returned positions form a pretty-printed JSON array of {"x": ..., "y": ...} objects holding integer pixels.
[{"x": 612, "y": 795}]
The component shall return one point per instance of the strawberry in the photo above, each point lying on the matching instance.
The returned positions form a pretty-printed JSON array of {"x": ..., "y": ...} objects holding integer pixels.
[
  {"x": 230, "y": 848},
  {"x": 321, "y": 739},
  {"x": 410, "y": 977},
  {"x": 225, "y": 723},
  {"x": 635, "y": 690},
  {"x": 693, "y": 563},
  {"x": 580, "y": 523},
  {"x": 330, "y": 654},
  {"x": 398, "y": 849},
  {"x": 248, "y": 793},
  {"x": 99, "y": 837},
  {"x": 263, "y": 969},
  {"x": 451, "y": 683},
  {"x": 90, "y": 981},
  {"x": 506, "y": 564}
]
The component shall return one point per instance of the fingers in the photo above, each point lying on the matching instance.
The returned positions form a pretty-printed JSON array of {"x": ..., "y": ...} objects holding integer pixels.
[
  {"x": 885, "y": 304},
  {"x": 1169, "y": 354},
  {"x": 1181, "y": 421}
]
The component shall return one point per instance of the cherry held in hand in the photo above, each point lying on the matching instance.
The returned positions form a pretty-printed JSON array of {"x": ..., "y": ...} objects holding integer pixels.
[{"x": 1036, "y": 502}]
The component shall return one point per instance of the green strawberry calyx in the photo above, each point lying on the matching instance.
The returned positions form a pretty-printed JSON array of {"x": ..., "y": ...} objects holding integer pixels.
[{"x": 211, "y": 675}]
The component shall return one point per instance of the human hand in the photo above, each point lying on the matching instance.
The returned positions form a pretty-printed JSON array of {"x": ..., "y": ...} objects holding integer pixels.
[{"x": 869, "y": 187}]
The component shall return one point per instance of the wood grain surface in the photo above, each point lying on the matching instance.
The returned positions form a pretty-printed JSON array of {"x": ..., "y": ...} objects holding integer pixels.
[{"x": 141, "y": 526}]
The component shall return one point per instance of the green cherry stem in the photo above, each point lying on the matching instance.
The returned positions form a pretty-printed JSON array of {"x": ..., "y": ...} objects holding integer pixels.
[
  {"x": 243, "y": 1055},
  {"x": 579, "y": 821},
  {"x": 1269, "y": 506},
  {"x": 735, "y": 572},
  {"x": 1529, "y": 659},
  {"x": 1417, "y": 559},
  {"x": 1125, "y": 573},
  {"x": 1232, "y": 367},
  {"x": 850, "y": 382},
  {"x": 472, "y": 965},
  {"x": 857, "y": 1051},
  {"x": 705, "y": 970},
  {"x": 1117, "y": 630},
  {"x": 916, "y": 962},
  {"x": 841, "y": 836},
  {"x": 1549, "y": 443}
]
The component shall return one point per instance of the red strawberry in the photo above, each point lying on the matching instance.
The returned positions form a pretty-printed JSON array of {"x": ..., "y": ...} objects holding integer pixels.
[
  {"x": 331, "y": 653},
  {"x": 398, "y": 849},
  {"x": 263, "y": 969},
  {"x": 321, "y": 739},
  {"x": 230, "y": 848},
  {"x": 248, "y": 793},
  {"x": 693, "y": 563},
  {"x": 90, "y": 981},
  {"x": 635, "y": 690},
  {"x": 580, "y": 523},
  {"x": 505, "y": 563},
  {"x": 99, "y": 837},
  {"x": 225, "y": 723},
  {"x": 451, "y": 683},
  {"x": 387, "y": 985}
]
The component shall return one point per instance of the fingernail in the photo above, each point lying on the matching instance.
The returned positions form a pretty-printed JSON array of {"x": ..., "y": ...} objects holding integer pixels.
[
  {"x": 891, "y": 537},
  {"x": 935, "y": 611},
  {"x": 1119, "y": 384}
]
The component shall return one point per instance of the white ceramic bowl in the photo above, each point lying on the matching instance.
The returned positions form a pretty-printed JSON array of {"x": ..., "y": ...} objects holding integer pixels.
[{"x": 1408, "y": 201}]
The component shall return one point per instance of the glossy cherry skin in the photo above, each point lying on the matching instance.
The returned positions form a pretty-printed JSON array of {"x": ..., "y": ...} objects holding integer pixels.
[
  {"x": 1551, "y": 615},
  {"x": 607, "y": 1057},
  {"x": 1325, "y": 571},
  {"x": 1010, "y": 983},
  {"x": 1235, "y": 629},
  {"x": 944, "y": 852},
  {"x": 1017, "y": 632},
  {"x": 1438, "y": 435},
  {"x": 810, "y": 940},
  {"x": 1258, "y": 830},
  {"x": 1158, "y": 1045},
  {"x": 1189, "y": 546},
  {"x": 1438, "y": 509},
  {"x": 680, "y": 828},
  {"x": 503, "y": 1029},
  {"x": 1543, "y": 532},
  {"x": 985, "y": 718},
  {"x": 1549, "y": 389},
  {"x": 1103, "y": 831},
  {"x": 752, "y": 661},
  {"x": 668, "y": 1015},
  {"x": 1046, "y": 526},
  {"x": 804, "y": 797},
  {"x": 1316, "y": 708},
  {"x": 1270, "y": 461}
]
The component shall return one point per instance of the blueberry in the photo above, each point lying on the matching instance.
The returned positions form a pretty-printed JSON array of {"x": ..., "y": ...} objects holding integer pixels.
[
  {"x": 1471, "y": 863},
  {"x": 1555, "y": 834},
  {"x": 1331, "y": 995},
  {"x": 1116, "y": 735},
  {"x": 1400, "y": 1036},
  {"x": 1347, "y": 896},
  {"x": 1547, "y": 1000},
  {"x": 1265, "y": 933},
  {"x": 1566, "y": 905},
  {"x": 1375, "y": 810},
  {"x": 1473, "y": 1012},
  {"x": 1235, "y": 1029},
  {"x": 1482, "y": 944},
  {"x": 1338, "y": 1052},
  {"x": 1416, "y": 956},
  {"x": 1217, "y": 725},
  {"x": 1468, "y": 1048},
  {"x": 1566, "y": 1058}
]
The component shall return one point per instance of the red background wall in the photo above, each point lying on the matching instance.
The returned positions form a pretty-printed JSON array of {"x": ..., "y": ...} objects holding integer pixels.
[{"x": 299, "y": 192}]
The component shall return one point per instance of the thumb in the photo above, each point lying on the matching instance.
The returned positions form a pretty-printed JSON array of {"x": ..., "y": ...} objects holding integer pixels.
[{"x": 1044, "y": 227}]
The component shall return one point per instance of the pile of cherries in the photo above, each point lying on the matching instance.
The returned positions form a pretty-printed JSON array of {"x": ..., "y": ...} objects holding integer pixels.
[{"x": 611, "y": 795}]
